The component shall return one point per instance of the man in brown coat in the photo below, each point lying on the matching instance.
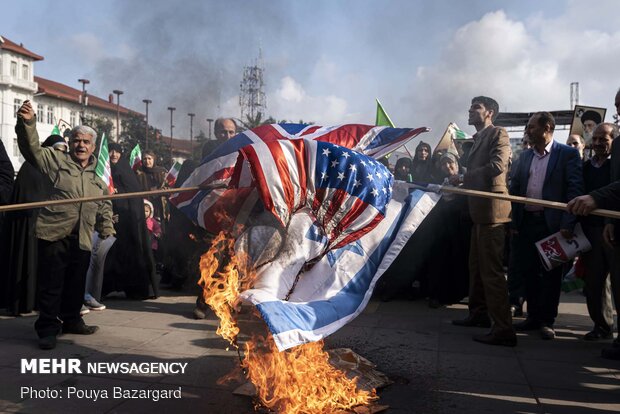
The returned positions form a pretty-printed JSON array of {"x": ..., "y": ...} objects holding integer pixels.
[{"x": 487, "y": 168}]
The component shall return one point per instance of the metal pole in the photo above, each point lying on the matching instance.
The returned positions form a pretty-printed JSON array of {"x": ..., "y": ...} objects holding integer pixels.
[
  {"x": 191, "y": 135},
  {"x": 146, "y": 132},
  {"x": 118, "y": 113},
  {"x": 84, "y": 82},
  {"x": 209, "y": 120},
  {"x": 171, "y": 109}
]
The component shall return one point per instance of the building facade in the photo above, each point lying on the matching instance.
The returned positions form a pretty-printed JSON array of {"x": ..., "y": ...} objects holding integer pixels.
[{"x": 55, "y": 104}]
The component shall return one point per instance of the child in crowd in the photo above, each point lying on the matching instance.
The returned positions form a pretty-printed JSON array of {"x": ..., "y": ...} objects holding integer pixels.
[{"x": 152, "y": 225}]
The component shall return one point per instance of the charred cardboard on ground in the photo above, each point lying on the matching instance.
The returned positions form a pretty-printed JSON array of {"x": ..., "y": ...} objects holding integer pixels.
[{"x": 354, "y": 366}]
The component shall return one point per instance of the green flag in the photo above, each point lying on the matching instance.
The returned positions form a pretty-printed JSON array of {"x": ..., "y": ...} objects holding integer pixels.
[
  {"x": 382, "y": 117},
  {"x": 457, "y": 133},
  {"x": 55, "y": 131},
  {"x": 135, "y": 158},
  {"x": 103, "y": 168}
]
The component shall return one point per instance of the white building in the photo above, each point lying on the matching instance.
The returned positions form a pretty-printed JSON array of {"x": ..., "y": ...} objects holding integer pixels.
[{"x": 54, "y": 103}]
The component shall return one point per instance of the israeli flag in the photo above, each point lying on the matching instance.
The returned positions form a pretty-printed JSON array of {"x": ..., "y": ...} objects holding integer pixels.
[{"x": 301, "y": 306}]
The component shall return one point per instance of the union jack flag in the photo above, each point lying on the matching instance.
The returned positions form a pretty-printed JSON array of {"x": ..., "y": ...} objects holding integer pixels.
[{"x": 284, "y": 165}]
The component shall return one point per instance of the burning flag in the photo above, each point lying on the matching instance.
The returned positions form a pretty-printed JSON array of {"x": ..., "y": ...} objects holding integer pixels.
[
  {"x": 216, "y": 170},
  {"x": 135, "y": 158},
  {"x": 321, "y": 220},
  {"x": 103, "y": 169},
  {"x": 297, "y": 381},
  {"x": 334, "y": 206}
]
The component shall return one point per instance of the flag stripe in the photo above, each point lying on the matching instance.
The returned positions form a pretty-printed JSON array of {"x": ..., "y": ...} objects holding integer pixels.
[
  {"x": 293, "y": 323},
  {"x": 285, "y": 172},
  {"x": 286, "y": 191}
]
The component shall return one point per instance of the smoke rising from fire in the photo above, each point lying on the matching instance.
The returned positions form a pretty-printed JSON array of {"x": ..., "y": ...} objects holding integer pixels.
[{"x": 188, "y": 55}]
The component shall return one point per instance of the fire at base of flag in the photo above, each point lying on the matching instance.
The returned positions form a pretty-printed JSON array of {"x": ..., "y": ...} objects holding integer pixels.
[{"x": 311, "y": 221}]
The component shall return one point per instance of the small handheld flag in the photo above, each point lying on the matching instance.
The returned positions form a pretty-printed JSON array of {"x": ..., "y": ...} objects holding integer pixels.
[
  {"x": 103, "y": 169},
  {"x": 172, "y": 175},
  {"x": 446, "y": 143},
  {"x": 382, "y": 117},
  {"x": 135, "y": 158}
]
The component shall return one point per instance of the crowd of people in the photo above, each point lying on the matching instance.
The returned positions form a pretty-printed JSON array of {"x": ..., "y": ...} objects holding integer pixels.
[
  {"x": 492, "y": 243},
  {"x": 63, "y": 260}
]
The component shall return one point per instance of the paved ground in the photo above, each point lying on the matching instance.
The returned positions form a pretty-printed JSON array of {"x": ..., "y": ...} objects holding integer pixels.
[{"x": 436, "y": 366}]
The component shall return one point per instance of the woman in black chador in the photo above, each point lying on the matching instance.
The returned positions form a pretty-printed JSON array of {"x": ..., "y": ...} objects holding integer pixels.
[
  {"x": 422, "y": 166},
  {"x": 18, "y": 284},
  {"x": 129, "y": 265}
]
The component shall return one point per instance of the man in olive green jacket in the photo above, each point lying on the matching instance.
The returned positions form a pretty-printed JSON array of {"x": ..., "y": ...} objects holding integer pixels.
[{"x": 64, "y": 231}]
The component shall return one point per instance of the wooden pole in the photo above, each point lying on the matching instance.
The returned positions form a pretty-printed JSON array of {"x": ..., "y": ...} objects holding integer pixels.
[
  {"x": 524, "y": 200},
  {"x": 446, "y": 189},
  {"x": 141, "y": 194}
]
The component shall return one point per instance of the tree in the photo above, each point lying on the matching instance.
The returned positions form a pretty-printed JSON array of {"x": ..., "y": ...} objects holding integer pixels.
[
  {"x": 101, "y": 125},
  {"x": 133, "y": 132},
  {"x": 251, "y": 122}
]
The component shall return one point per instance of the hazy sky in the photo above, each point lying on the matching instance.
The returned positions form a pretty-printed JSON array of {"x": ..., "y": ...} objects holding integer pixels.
[{"x": 326, "y": 61}]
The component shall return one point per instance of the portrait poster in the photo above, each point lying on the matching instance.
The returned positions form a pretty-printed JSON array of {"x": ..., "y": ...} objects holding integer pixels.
[
  {"x": 588, "y": 115},
  {"x": 64, "y": 128}
]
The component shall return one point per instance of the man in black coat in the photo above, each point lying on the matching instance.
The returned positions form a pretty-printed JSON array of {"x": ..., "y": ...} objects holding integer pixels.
[{"x": 608, "y": 198}]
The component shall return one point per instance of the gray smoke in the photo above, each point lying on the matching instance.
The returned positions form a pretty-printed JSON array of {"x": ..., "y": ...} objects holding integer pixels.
[{"x": 189, "y": 55}]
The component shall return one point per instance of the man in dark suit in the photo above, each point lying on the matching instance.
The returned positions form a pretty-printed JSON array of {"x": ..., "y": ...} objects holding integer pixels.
[
  {"x": 549, "y": 171},
  {"x": 607, "y": 197},
  {"x": 487, "y": 166}
]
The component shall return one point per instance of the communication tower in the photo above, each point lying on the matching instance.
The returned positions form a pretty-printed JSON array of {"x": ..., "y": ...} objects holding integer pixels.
[
  {"x": 252, "y": 98},
  {"x": 574, "y": 94}
]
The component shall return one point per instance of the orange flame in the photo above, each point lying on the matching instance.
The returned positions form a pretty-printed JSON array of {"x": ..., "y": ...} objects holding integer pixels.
[
  {"x": 221, "y": 287},
  {"x": 299, "y": 380}
]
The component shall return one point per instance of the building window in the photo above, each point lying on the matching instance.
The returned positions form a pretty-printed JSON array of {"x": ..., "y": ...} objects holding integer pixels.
[
  {"x": 40, "y": 113},
  {"x": 50, "y": 114},
  {"x": 25, "y": 72},
  {"x": 15, "y": 148},
  {"x": 73, "y": 118},
  {"x": 16, "y": 104},
  {"x": 13, "y": 68}
]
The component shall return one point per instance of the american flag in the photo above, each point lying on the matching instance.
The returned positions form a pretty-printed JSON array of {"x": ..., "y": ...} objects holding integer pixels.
[
  {"x": 346, "y": 191},
  {"x": 232, "y": 185}
]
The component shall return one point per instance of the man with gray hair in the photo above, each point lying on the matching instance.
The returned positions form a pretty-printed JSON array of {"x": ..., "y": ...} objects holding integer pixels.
[
  {"x": 607, "y": 197},
  {"x": 64, "y": 232}
]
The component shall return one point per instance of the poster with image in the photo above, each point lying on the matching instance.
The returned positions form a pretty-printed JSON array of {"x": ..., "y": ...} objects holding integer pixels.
[{"x": 585, "y": 119}]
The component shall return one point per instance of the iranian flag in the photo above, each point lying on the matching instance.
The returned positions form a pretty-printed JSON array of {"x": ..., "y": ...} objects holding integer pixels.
[
  {"x": 382, "y": 118},
  {"x": 135, "y": 158},
  {"x": 172, "y": 175},
  {"x": 456, "y": 132},
  {"x": 103, "y": 169}
]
